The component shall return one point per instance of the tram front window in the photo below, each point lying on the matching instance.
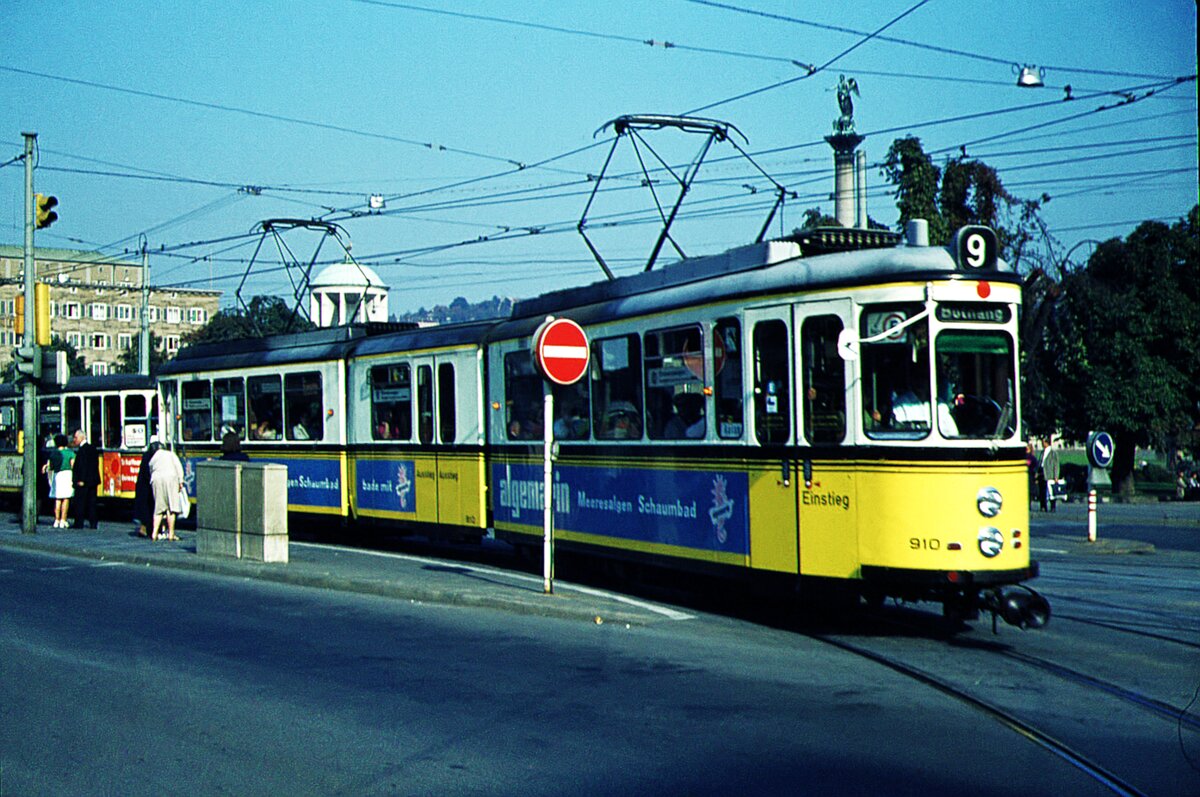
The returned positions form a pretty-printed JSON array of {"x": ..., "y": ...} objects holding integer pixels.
[
  {"x": 895, "y": 373},
  {"x": 976, "y": 372}
]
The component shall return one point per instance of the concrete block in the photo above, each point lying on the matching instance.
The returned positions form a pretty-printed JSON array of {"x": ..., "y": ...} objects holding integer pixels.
[
  {"x": 218, "y": 495},
  {"x": 265, "y": 547},
  {"x": 241, "y": 510},
  {"x": 264, "y": 498},
  {"x": 211, "y": 542}
]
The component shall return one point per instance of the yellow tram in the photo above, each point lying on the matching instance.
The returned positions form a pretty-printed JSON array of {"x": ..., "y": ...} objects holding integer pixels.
[{"x": 839, "y": 406}]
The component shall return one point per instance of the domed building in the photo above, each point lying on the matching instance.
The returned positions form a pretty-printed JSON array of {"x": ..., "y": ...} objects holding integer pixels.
[{"x": 347, "y": 293}]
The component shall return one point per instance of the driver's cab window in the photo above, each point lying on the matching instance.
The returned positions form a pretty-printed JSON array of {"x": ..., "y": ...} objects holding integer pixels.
[
  {"x": 895, "y": 372},
  {"x": 976, "y": 374}
]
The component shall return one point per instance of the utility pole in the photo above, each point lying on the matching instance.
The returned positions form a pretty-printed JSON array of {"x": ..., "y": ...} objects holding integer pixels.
[
  {"x": 144, "y": 338},
  {"x": 29, "y": 419}
]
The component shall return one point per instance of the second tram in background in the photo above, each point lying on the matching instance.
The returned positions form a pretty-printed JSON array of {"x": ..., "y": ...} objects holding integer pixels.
[{"x": 118, "y": 413}]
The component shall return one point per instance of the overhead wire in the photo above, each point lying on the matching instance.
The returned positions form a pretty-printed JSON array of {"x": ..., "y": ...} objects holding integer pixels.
[{"x": 812, "y": 71}]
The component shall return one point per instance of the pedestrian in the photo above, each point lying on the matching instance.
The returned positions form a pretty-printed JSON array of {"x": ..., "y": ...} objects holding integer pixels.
[
  {"x": 166, "y": 483},
  {"x": 143, "y": 496},
  {"x": 58, "y": 469},
  {"x": 1050, "y": 474},
  {"x": 87, "y": 480},
  {"x": 231, "y": 448}
]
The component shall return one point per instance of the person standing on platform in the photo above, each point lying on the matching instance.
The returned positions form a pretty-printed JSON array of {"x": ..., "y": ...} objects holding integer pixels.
[
  {"x": 166, "y": 484},
  {"x": 62, "y": 486},
  {"x": 143, "y": 497},
  {"x": 87, "y": 480}
]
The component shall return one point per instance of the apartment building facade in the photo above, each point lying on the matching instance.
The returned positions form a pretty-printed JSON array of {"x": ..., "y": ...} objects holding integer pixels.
[{"x": 95, "y": 304}]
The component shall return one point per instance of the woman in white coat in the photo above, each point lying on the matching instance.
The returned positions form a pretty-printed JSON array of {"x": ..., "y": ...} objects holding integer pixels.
[{"x": 166, "y": 482}]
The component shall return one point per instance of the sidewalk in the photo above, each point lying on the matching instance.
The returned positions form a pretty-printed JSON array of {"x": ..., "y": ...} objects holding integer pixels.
[{"x": 393, "y": 575}]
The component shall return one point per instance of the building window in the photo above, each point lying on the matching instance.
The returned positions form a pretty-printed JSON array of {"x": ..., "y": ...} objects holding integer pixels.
[
  {"x": 124, "y": 341},
  {"x": 174, "y": 314},
  {"x": 75, "y": 339},
  {"x": 72, "y": 310},
  {"x": 99, "y": 312},
  {"x": 124, "y": 312},
  {"x": 99, "y": 369},
  {"x": 99, "y": 340},
  {"x": 154, "y": 315},
  {"x": 171, "y": 344},
  {"x": 197, "y": 315}
]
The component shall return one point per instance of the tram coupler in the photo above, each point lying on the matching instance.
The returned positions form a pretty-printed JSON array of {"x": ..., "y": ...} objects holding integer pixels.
[{"x": 1019, "y": 606}]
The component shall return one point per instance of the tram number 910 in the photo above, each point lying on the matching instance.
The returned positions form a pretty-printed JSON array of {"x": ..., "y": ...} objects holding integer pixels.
[{"x": 924, "y": 543}]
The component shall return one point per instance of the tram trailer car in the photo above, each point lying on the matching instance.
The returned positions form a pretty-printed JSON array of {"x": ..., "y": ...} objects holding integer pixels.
[
  {"x": 381, "y": 424},
  {"x": 838, "y": 407}
]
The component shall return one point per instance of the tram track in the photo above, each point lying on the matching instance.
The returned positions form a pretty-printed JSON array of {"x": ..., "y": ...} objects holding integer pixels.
[{"x": 1062, "y": 750}]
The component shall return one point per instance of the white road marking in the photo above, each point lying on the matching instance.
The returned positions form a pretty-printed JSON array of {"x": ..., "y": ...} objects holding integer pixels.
[{"x": 673, "y": 614}]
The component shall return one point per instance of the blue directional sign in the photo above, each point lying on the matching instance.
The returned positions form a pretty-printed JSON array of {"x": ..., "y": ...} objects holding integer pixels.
[{"x": 1100, "y": 447}]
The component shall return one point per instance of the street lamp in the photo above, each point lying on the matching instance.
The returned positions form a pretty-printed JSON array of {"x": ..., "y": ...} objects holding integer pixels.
[{"x": 1029, "y": 76}]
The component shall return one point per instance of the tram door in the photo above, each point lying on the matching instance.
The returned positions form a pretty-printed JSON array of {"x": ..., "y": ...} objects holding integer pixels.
[
  {"x": 827, "y": 500},
  {"x": 771, "y": 435}
]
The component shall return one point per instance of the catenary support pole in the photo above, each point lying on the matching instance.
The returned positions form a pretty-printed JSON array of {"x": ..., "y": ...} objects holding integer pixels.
[{"x": 29, "y": 391}]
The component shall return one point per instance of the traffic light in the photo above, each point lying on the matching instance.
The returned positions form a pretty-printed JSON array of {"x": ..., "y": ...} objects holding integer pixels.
[
  {"x": 29, "y": 363},
  {"x": 44, "y": 207},
  {"x": 41, "y": 313}
]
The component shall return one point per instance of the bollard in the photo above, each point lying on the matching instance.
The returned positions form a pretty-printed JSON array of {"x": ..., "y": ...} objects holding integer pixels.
[{"x": 1091, "y": 515}]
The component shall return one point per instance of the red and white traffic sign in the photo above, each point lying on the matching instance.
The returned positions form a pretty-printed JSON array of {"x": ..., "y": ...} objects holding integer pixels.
[{"x": 561, "y": 351}]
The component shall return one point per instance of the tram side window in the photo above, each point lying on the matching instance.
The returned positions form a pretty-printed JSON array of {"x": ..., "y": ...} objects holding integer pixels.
[
  {"x": 424, "y": 404},
  {"x": 674, "y": 367},
  {"x": 73, "y": 412},
  {"x": 617, "y": 388},
  {"x": 571, "y": 411},
  {"x": 824, "y": 380},
  {"x": 727, "y": 378},
  {"x": 264, "y": 403},
  {"x": 168, "y": 409},
  {"x": 112, "y": 422},
  {"x": 49, "y": 421},
  {"x": 522, "y": 398},
  {"x": 229, "y": 406},
  {"x": 895, "y": 373},
  {"x": 8, "y": 426},
  {"x": 391, "y": 402},
  {"x": 447, "y": 419},
  {"x": 976, "y": 372},
  {"x": 772, "y": 402},
  {"x": 135, "y": 420},
  {"x": 303, "y": 410},
  {"x": 197, "y": 410},
  {"x": 95, "y": 412}
]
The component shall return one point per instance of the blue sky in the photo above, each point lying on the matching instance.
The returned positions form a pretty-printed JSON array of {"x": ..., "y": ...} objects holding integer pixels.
[{"x": 244, "y": 111}]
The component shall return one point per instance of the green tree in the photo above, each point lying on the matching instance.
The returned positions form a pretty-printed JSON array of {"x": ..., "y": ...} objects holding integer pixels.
[
  {"x": 265, "y": 315},
  {"x": 918, "y": 181},
  {"x": 1124, "y": 343},
  {"x": 130, "y": 360}
]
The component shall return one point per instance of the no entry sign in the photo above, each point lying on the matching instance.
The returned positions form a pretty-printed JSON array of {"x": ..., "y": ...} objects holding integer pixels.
[{"x": 561, "y": 351}]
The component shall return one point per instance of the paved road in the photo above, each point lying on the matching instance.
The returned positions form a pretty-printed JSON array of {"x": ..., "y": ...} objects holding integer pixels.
[{"x": 127, "y": 679}]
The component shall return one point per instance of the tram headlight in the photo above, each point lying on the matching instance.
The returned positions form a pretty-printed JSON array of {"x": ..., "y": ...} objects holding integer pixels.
[
  {"x": 989, "y": 500},
  {"x": 991, "y": 541}
]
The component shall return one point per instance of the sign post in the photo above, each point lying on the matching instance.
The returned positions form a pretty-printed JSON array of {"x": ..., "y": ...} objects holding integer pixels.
[
  {"x": 561, "y": 354},
  {"x": 1100, "y": 449}
]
